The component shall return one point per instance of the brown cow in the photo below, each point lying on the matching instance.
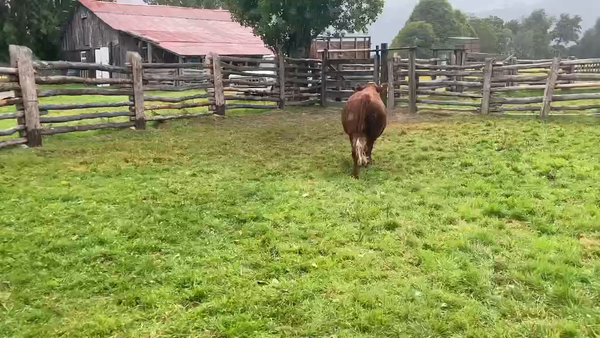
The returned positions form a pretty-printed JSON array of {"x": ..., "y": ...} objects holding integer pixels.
[{"x": 364, "y": 119}]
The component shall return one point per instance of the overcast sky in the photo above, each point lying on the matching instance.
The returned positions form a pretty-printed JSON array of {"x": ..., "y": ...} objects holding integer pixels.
[{"x": 396, "y": 12}]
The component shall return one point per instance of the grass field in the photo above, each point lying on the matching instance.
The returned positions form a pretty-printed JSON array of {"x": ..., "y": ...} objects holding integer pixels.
[{"x": 250, "y": 226}]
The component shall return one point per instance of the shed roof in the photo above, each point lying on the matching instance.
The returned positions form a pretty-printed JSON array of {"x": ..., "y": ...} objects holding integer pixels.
[{"x": 183, "y": 31}]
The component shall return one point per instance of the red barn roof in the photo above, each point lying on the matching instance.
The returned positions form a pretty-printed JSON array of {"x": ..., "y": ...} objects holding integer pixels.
[{"x": 183, "y": 31}]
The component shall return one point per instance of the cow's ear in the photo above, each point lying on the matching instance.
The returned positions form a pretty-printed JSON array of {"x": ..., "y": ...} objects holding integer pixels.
[
  {"x": 381, "y": 89},
  {"x": 359, "y": 88}
]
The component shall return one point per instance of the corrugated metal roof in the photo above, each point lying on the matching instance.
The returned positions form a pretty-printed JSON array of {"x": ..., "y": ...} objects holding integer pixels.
[{"x": 183, "y": 31}]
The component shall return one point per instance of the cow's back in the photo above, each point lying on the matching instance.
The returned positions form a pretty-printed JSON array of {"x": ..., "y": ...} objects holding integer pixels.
[{"x": 364, "y": 113}]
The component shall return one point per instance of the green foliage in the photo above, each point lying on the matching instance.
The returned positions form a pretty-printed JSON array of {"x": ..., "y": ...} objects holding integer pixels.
[
  {"x": 291, "y": 25},
  {"x": 445, "y": 21},
  {"x": 209, "y": 4},
  {"x": 494, "y": 35},
  {"x": 418, "y": 34},
  {"x": 251, "y": 226},
  {"x": 589, "y": 45},
  {"x": 566, "y": 30},
  {"x": 33, "y": 23}
]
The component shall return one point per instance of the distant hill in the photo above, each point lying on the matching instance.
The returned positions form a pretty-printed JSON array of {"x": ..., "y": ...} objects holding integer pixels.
[{"x": 396, "y": 12}]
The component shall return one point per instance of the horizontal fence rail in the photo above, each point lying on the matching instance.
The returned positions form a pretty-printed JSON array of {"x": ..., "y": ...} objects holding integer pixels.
[{"x": 129, "y": 96}]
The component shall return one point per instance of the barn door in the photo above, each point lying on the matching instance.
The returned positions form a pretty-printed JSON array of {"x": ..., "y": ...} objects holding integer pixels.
[{"x": 102, "y": 57}]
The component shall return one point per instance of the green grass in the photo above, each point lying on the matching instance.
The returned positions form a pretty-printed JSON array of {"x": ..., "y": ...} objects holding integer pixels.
[{"x": 251, "y": 226}]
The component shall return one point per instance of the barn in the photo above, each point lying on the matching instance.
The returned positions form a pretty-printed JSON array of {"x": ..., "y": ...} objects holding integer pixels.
[{"x": 104, "y": 32}]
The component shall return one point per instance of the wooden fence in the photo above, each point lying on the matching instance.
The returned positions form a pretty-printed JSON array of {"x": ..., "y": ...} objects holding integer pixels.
[{"x": 141, "y": 92}]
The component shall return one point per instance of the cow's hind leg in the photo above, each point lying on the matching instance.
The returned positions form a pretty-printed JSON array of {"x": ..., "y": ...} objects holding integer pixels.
[
  {"x": 370, "y": 144},
  {"x": 356, "y": 168}
]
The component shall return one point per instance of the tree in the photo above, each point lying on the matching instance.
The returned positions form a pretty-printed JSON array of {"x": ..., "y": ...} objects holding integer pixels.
[
  {"x": 445, "y": 21},
  {"x": 209, "y": 4},
  {"x": 566, "y": 30},
  {"x": 589, "y": 45},
  {"x": 494, "y": 36},
  {"x": 418, "y": 34},
  {"x": 537, "y": 26},
  {"x": 33, "y": 23},
  {"x": 292, "y": 25}
]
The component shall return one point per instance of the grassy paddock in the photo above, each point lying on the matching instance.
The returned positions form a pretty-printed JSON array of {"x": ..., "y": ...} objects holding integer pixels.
[{"x": 251, "y": 226}]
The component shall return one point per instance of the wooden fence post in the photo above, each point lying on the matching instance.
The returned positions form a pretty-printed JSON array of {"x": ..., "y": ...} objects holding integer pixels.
[
  {"x": 376, "y": 63},
  {"x": 324, "y": 66},
  {"x": 218, "y": 82},
  {"x": 14, "y": 51},
  {"x": 26, "y": 75},
  {"x": 281, "y": 80},
  {"x": 138, "y": 89},
  {"x": 550, "y": 84},
  {"x": 488, "y": 70},
  {"x": 391, "y": 97},
  {"x": 384, "y": 69},
  {"x": 412, "y": 81}
]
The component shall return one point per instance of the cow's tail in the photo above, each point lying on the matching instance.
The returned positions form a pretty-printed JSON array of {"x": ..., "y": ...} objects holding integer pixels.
[{"x": 360, "y": 149}]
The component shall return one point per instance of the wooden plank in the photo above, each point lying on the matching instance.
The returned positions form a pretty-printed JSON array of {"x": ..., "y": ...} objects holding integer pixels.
[
  {"x": 60, "y": 65},
  {"x": 351, "y": 62},
  {"x": 8, "y": 71},
  {"x": 173, "y": 65},
  {"x": 517, "y": 100},
  {"x": 487, "y": 86},
  {"x": 59, "y": 79},
  {"x": 239, "y": 59},
  {"x": 180, "y": 105},
  {"x": 87, "y": 127},
  {"x": 574, "y": 97},
  {"x": 535, "y": 108},
  {"x": 444, "y": 93},
  {"x": 304, "y": 103},
  {"x": 524, "y": 66},
  {"x": 519, "y": 78},
  {"x": 579, "y": 77},
  {"x": 83, "y": 91},
  {"x": 10, "y": 131},
  {"x": 27, "y": 81},
  {"x": 251, "y": 106},
  {"x": 12, "y": 142},
  {"x": 10, "y": 116},
  {"x": 449, "y": 103},
  {"x": 175, "y": 78},
  {"x": 176, "y": 99},
  {"x": 176, "y": 117},
  {"x": 450, "y": 109},
  {"x": 442, "y": 73},
  {"x": 412, "y": 81},
  {"x": 579, "y": 62},
  {"x": 517, "y": 88},
  {"x": 446, "y": 83},
  {"x": 252, "y": 98},
  {"x": 247, "y": 83},
  {"x": 71, "y": 118},
  {"x": 8, "y": 86},
  {"x": 165, "y": 88},
  {"x": 71, "y": 106},
  {"x": 581, "y": 107},
  {"x": 298, "y": 60},
  {"x": 365, "y": 73},
  {"x": 218, "y": 84},
  {"x": 549, "y": 91},
  {"x": 250, "y": 75}
]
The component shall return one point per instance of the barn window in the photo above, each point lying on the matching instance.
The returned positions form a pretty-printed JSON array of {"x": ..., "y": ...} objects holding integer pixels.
[{"x": 85, "y": 29}]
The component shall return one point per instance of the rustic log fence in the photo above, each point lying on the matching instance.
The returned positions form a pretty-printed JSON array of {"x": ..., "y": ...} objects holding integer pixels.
[{"x": 142, "y": 92}]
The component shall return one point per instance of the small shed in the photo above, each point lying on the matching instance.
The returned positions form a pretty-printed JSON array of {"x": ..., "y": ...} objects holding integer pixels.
[
  {"x": 104, "y": 32},
  {"x": 468, "y": 44}
]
